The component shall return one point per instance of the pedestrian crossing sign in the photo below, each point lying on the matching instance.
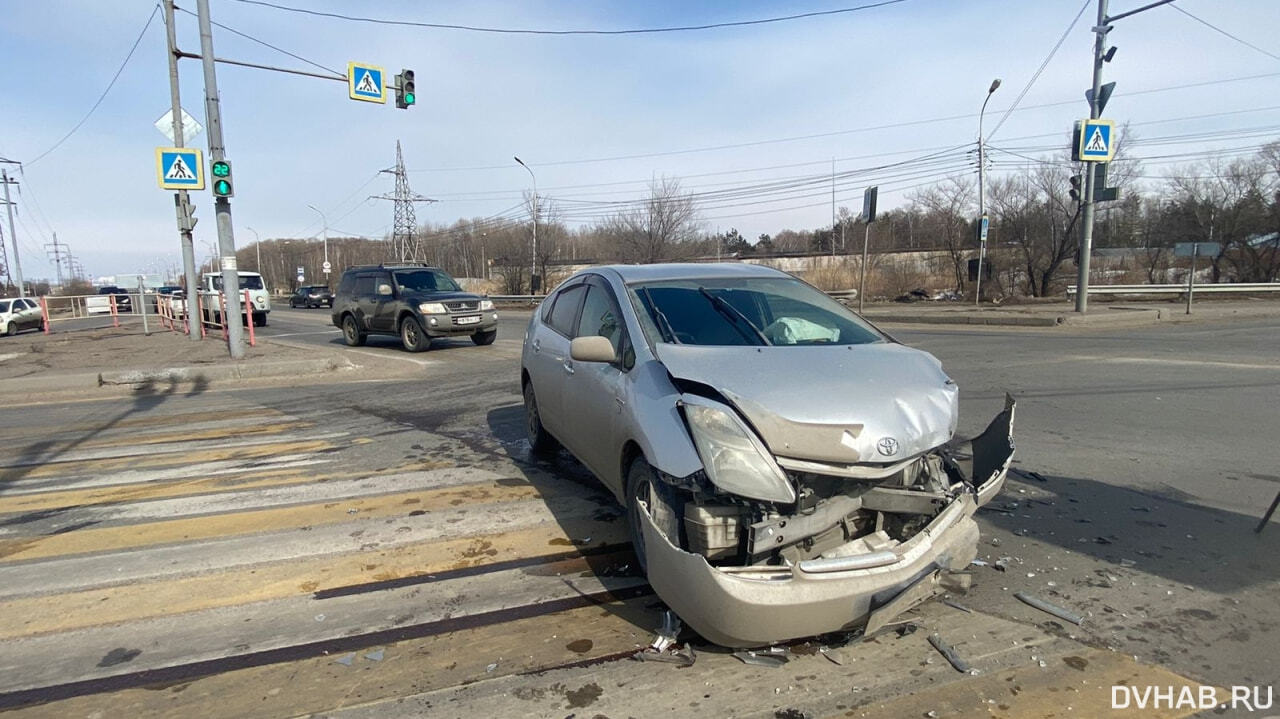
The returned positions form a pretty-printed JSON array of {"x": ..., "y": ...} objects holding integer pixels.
[
  {"x": 179, "y": 168},
  {"x": 366, "y": 82},
  {"x": 1097, "y": 140}
]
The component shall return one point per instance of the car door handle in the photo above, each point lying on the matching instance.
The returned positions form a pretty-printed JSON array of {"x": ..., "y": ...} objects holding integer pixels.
[
  {"x": 568, "y": 367},
  {"x": 621, "y": 402},
  {"x": 537, "y": 345}
]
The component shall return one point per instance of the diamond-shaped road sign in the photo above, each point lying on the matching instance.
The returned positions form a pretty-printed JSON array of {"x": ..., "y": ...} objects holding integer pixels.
[
  {"x": 1097, "y": 140},
  {"x": 366, "y": 82},
  {"x": 190, "y": 127},
  {"x": 179, "y": 168}
]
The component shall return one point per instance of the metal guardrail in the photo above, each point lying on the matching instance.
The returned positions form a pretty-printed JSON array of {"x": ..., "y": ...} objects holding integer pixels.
[
  {"x": 517, "y": 298},
  {"x": 1178, "y": 288}
]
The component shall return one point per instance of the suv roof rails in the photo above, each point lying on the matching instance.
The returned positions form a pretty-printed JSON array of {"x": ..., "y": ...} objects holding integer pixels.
[{"x": 391, "y": 266}]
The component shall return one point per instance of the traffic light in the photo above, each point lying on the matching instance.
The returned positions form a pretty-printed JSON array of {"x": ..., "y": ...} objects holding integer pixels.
[
  {"x": 1075, "y": 188},
  {"x": 406, "y": 95},
  {"x": 221, "y": 171}
]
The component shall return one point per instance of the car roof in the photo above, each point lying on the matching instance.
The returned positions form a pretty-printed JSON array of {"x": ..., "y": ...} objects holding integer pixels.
[{"x": 691, "y": 270}]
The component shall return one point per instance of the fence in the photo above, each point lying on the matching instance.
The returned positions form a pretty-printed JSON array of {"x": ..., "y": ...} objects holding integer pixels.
[
  {"x": 1240, "y": 287},
  {"x": 65, "y": 308},
  {"x": 172, "y": 311}
]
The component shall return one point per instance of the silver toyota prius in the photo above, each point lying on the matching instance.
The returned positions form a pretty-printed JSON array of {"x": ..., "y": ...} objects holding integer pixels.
[{"x": 787, "y": 469}]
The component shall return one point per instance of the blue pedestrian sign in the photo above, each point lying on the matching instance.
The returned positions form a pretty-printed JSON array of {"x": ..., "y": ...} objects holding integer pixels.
[
  {"x": 366, "y": 82},
  {"x": 179, "y": 168},
  {"x": 982, "y": 232},
  {"x": 1097, "y": 140}
]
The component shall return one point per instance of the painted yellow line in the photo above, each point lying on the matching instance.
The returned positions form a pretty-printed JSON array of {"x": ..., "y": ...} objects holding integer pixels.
[
  {"x": 318, "y": 684},
  {"x": 96, "y": 607},
  {"x": 256, "y": 521},
  {"x": 82, "y": 466},
  {"x": 199, "y": 434},
  {"x": 106, "y": 424},
  {"x": 1083, "y": 682},
  {"x": 141, "y": 491}
]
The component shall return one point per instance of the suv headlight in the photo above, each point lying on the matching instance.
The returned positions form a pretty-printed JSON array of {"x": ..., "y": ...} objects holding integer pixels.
[
  {"x": 486, "y": 305},
  {"x": 432, "y": 308},
  {"x": 734, "y": 459}
]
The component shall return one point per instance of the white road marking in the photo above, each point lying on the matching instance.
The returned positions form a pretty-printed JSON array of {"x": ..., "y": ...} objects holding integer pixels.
[{"x": 299, "y": 334}]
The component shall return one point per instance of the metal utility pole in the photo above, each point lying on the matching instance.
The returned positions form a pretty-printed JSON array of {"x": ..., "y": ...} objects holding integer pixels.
[
  {"x": 257, "y": 246},
  {"x": 833, "y": 207},
  {"x": 59, "y": 252},
  {"x": 533, "y": 271},
  {"x": 404, "y": 231},
  {"x": 221, "y": 205},
  {"x": 8, "y": 206},
  {"x": 862, "y": 280},
  {"x": 1086, "y": 218},
  {"x": 982, "y": 194},
  {"x": 181, "y": 201},
  {"x": 325, "y": 221}
]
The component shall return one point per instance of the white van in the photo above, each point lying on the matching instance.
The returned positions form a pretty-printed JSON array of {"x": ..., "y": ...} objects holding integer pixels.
[{"x": 211, "y": 303}]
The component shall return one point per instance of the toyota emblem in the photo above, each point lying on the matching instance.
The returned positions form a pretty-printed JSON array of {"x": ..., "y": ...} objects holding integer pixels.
[{"x": 888, "y": 446}]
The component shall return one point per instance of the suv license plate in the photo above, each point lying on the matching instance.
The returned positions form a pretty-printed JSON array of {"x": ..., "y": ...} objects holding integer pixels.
[{"x": 473, "y": 320}]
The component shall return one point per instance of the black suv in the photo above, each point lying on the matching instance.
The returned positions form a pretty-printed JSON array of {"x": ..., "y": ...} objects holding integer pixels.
[
  {"x": 124, "y": 303},
  {"x": 311, "y": 296},
  {"x": 415, "y": 301}
]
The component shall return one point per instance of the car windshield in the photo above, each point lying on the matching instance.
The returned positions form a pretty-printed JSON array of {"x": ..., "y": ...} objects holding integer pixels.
[
  {"x": 425, "y": 281},
  {"x": 247, "y": 282},
  {"x": 751, "y": 311}
]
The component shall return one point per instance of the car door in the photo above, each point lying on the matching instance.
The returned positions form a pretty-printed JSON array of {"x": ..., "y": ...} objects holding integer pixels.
[
  {"x": 32, "y": 316},
  {"x": 549, "y": 362},
  {"x": 364, "y": 299},
  {"x": 385, "y": 306},
  {"x": 593, "y": 391}
]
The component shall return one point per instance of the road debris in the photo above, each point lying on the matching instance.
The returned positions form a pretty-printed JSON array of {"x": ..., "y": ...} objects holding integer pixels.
[
  {"x": 978, "y": 563},
  {"x": 835, "y": 656},
  {"x": 375, "y": 655},
  {"x": 667, "y": 632},
  {"x": 684, "y": 658},
  {"x": 489, "y": 669},
  {"x": 1053, "y": 609},
  {"x": 345, "y": 660},
  {"x": 761, "y": 659},
  {"x": 949, "y": 652},
  {"x": 957, "y": 605},
  {"x": 1002, "y": 564}
]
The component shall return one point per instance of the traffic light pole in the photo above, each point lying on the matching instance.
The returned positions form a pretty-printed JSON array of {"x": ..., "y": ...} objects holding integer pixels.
[
  {"x": 182, "y": 202},
  {"x": 222, "y": 205},
  {"x": 1086, "y": 217}
]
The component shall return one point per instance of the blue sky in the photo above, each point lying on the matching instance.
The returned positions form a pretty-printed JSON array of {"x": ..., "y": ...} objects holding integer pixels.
[{"x": 562, "y": 102}]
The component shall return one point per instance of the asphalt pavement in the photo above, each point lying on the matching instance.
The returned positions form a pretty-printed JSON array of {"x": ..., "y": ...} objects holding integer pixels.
[{"x": 383, "y": 544}]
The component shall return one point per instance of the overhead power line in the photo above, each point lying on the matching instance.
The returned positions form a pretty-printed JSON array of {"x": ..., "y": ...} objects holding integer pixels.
[
  {"x": 103, "y": 96},
  {"x": 530, "y": 31},
  {"x": 1039, "y": 70},
  {"x": 264, "y": 43},
  {"x": 1211, "y": 26}
]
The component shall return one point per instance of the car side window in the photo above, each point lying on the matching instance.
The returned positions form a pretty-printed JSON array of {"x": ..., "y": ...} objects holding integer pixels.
[
  {"x": 565, "y": 311},
  {"x": 4, "y": 306},
  {"x": 600, "y": 317},
  {"x": 347, "y": 285},
  {"x": 364, "y": 286}
]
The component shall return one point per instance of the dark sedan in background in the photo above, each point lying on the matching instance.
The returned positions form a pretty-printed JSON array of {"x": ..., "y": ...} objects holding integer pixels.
[{"x": 311, "y": 296}]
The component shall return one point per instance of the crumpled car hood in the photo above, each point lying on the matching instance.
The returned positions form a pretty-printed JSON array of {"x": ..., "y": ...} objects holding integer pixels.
[{"x": 881, "y": 402}]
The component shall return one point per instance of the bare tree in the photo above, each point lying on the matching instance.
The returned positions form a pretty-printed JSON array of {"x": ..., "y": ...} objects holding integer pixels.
[
  {"x": 946, "y": 207},
  {"x": 651, "y": 231}
]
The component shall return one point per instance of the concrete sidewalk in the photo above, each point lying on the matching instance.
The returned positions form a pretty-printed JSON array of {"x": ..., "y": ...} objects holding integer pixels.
[{"x": 1060, "y": 314}]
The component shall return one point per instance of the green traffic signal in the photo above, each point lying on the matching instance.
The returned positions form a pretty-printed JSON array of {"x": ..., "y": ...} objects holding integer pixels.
[{"x": 221, "y": 168}]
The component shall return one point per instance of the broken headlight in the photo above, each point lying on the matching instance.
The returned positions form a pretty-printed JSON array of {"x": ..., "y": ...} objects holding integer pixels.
[{"x": 734, "y": 459}]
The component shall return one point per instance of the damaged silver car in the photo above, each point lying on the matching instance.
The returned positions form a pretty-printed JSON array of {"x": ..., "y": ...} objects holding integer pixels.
[{"x": 788, "y": 469}]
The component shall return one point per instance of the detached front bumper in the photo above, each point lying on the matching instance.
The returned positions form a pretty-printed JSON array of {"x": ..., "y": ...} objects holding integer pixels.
[
  {"x": 456, "y": 325},
  {"x": 753, "y": 606}
]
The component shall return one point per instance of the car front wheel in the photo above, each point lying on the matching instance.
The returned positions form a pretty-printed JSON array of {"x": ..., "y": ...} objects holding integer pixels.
[
  {"x": 540, "y": 441},
  {"x": 412, "y": 336},
  {"x": 485, "y": 338},
  {"x": 351, "y": 333},
  {"x": 643, "y": 486}
]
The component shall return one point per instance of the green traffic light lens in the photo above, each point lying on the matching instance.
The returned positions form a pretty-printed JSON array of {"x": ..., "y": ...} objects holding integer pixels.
[{"x": 409, "y": 97}]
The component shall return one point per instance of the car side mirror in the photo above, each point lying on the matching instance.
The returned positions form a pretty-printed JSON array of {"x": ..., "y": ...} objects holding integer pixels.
[
  {"x": 592, "y": 349},
  {"x": 384, "y": 290}
]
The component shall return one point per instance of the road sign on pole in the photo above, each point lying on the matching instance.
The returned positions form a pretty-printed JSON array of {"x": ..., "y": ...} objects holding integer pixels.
[
  {"x": 326, "y": 267},
  {"x": 982, "y": 231},
  {"x": 179, "y": 168},
  {"x": 190, "y": 127},
  {"x": 366, "y": 82},
  {"x": 1097, "y": 140}
]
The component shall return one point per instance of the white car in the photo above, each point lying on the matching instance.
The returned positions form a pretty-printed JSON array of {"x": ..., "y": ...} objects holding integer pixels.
[
  {"x": 19, "y": 314},
  {"x": 259, "y": 299}
]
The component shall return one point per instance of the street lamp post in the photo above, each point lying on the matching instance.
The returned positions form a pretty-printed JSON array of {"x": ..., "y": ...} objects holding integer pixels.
[
  {"x": 325, "y": 222},
  {"x": 257, "y": 246},
  {"x": 533, "y": 270},
  {"x": 982, "y": 193}
]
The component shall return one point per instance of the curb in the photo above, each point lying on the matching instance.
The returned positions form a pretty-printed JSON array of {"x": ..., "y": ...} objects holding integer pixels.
[
  {"x": 1118, "y": 316},
  {"x": 183, "y": 375}
]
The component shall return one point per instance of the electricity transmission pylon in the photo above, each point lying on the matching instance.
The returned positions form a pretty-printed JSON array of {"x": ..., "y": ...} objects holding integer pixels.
[{"x": 404, "y": 230}]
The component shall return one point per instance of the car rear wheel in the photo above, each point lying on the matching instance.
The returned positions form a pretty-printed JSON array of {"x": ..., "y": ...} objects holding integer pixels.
[
  {"x": 351, "y": 333},
  {"x": 485, "y": 338},
  {"x": 644, "y": 486},
  {"x": 293, "y": 304},
  {"x": 540, "y": 441},
  {"x": 412, "y": 336}
]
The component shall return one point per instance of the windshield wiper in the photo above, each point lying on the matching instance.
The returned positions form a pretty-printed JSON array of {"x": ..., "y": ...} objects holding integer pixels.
[
  {"x": 664, "y": 326},
  {"x": 734, "y": 315}
]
